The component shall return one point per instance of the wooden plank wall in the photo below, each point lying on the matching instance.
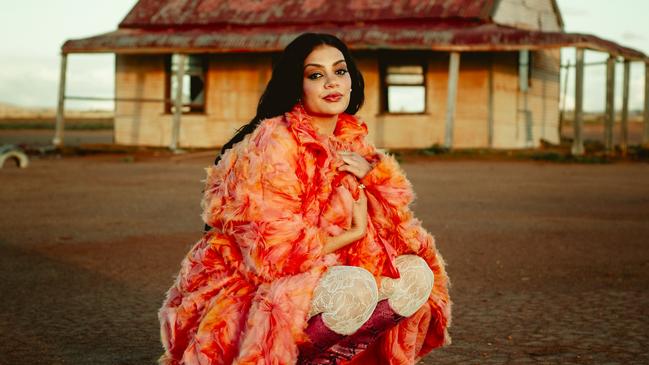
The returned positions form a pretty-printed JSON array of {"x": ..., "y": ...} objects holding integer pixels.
[
  {"x": 139, "y": 123},
  {"x": 405, "y": 131},
  {"x": 543, "y": 99},
  {"x": 234, "y": 83},
  {"x": 471, "y": 116},
  {"x": 544, "y": 95},
  {"x": 527, "y": 14},
  {"x": 424, "y": 130}
]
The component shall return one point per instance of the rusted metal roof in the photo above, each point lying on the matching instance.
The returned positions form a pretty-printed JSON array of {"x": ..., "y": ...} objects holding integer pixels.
[
  {"x": 193, "y": 13},
  {"x": 441, "y": 37},
  {"x": 218, "y": 26}
]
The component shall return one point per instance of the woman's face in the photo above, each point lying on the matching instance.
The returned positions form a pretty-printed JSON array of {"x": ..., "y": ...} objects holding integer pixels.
[{"x": 326, "y": 85}]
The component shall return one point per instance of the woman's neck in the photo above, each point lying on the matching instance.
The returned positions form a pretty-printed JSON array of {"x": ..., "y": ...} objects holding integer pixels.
[{"x": 325, "y": 125}]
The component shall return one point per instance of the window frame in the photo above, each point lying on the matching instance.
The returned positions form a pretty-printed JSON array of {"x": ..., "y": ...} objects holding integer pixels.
[
  {"x": 401, "y": 58},
  {"x": 169, "y": 103}
]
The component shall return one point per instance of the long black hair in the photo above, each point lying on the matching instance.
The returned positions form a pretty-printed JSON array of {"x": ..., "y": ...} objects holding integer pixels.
[{"x": 285, "y": 86}]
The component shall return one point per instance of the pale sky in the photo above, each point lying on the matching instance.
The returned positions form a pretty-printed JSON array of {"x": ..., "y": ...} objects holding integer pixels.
[{"x": 32, "y": 32}]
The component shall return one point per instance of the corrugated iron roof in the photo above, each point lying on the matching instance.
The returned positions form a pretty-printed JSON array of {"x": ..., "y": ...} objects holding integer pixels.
[
  {"x": 201, "y": 26},
  {"x": 193, "y": 13},
  {"x": 441, "y": 37}
]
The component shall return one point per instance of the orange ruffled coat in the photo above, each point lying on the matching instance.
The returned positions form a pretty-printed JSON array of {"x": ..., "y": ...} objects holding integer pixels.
[{"x": 244, "y": 290}]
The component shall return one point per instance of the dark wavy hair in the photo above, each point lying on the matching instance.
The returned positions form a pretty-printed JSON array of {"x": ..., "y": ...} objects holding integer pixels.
[{"x": 285, "y": 86}]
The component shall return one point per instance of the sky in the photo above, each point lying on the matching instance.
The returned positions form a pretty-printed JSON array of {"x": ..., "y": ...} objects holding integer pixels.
[{"x": 32, "y": 32}]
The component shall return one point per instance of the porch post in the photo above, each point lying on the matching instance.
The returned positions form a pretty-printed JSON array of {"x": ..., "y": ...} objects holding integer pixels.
[
  {"x": 609, "y": 116},
  {"x": 490, "y": 103},
  {"x": 178, "y": 101},
  {"x": 624, "y": 141},
  {"x": 578, "y": 143},
  {"x": 60, "y": 107},
  {"x": 564, "y": 93},
  {"x": 453, "y": 72},
  {"x": 523, "y": 86},
  {"x": 645, "y": 135}
]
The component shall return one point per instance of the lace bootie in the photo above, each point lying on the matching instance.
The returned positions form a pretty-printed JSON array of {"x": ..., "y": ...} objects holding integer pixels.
[{"x": 383, "y": 318}]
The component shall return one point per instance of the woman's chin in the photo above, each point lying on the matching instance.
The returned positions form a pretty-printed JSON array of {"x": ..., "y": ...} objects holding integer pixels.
[{"x": 330, "y": 109}]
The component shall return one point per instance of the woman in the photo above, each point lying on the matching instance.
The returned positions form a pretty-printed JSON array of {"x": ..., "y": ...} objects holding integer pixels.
[{"x": 313, "y": 255}]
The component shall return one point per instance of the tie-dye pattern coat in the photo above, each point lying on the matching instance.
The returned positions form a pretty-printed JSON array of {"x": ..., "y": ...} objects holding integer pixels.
[{"x": 244, "y": 290}]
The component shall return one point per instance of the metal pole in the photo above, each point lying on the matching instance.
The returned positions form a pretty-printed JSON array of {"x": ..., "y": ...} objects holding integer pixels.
[
  {"x": 645, "y": 135},
  {"x": 624, "y": 142},
  {"x": 453, "y": 73},
  {"x": 578, "y": 143},
  {"x": 178, "y": 102},
  {"x": 60, "y": 107},
  {"x": 609, "y": 116}
]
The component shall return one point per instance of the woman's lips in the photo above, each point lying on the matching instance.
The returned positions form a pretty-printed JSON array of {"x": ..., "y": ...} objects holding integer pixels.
[{"x": 333, "y": 97}]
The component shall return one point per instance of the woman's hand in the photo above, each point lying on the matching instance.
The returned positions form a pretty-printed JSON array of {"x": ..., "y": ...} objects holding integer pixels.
[
  {"x": 358, "y": 230},
  {"x": 354, "y": 163}
]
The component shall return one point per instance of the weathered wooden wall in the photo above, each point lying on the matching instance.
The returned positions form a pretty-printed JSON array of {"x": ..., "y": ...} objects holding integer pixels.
[
  {"x": 403, "y": 130},
  {"x": 424, "y": 130},
  {"x": 528, "y": 14},
  {"x": 543, "y": 99},
  {"x": 545, "y": 94},
  {"x": 472, "y": 109},
  {"x": 235, "y": 83}
]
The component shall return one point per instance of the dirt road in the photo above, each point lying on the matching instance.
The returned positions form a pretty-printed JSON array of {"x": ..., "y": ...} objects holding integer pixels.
[{"x": 549, "y": 262}]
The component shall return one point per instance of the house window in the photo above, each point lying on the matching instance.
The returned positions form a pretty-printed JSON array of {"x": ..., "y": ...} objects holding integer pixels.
[
  {"x": 193, "y": 88},
  {"x": 404, "y": 88}
]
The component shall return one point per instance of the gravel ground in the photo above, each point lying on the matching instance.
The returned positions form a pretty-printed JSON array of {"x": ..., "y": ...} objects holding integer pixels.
[
  {"x": 549, "y": 262},
  {"x": 43, "y": 137}
]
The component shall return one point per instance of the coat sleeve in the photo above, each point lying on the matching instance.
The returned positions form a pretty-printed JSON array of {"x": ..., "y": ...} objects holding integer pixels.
[
  {"x": 390, "y": 194},
  {"x": 254, "y": 196}
]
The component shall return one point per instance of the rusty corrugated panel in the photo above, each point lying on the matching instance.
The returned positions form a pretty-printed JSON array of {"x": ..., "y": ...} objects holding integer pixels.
[
  {"x": 441, "y": 37},
  {"x": 193, "y": 13}
]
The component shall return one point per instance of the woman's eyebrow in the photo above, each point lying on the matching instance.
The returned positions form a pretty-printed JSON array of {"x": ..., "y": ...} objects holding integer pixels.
[{"x": 318, "y": 65}]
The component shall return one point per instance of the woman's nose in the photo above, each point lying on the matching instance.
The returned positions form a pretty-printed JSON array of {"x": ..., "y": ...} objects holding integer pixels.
[{"x": 331, "y": 82}]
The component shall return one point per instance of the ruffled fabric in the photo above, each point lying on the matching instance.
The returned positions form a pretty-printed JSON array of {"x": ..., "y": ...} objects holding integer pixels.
[{"x": 243, "y": 292}]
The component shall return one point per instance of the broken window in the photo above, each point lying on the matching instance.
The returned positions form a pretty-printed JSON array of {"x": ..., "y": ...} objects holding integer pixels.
[{"x": 193, "y": 84}]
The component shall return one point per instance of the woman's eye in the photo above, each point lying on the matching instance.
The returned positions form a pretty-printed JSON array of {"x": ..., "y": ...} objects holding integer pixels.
[{"x": 317, "y": 75}]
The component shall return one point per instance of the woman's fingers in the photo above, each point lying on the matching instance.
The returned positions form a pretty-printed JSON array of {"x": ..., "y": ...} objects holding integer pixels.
[
  {"x": 349, "y": 168},
  {"x": 352, "y": 169},
  {"x": 351, "y": 157},
  {"x": 350, "y": 160},
  {"x": 362, "y": 198}
]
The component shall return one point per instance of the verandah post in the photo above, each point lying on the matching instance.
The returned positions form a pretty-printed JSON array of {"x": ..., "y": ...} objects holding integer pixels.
[
  {"x": 178, "y": 101},
  {"x": 578, "y": 143},
  {"x": 453, "y": 73},
  {"x": 60, "y": 106}
]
